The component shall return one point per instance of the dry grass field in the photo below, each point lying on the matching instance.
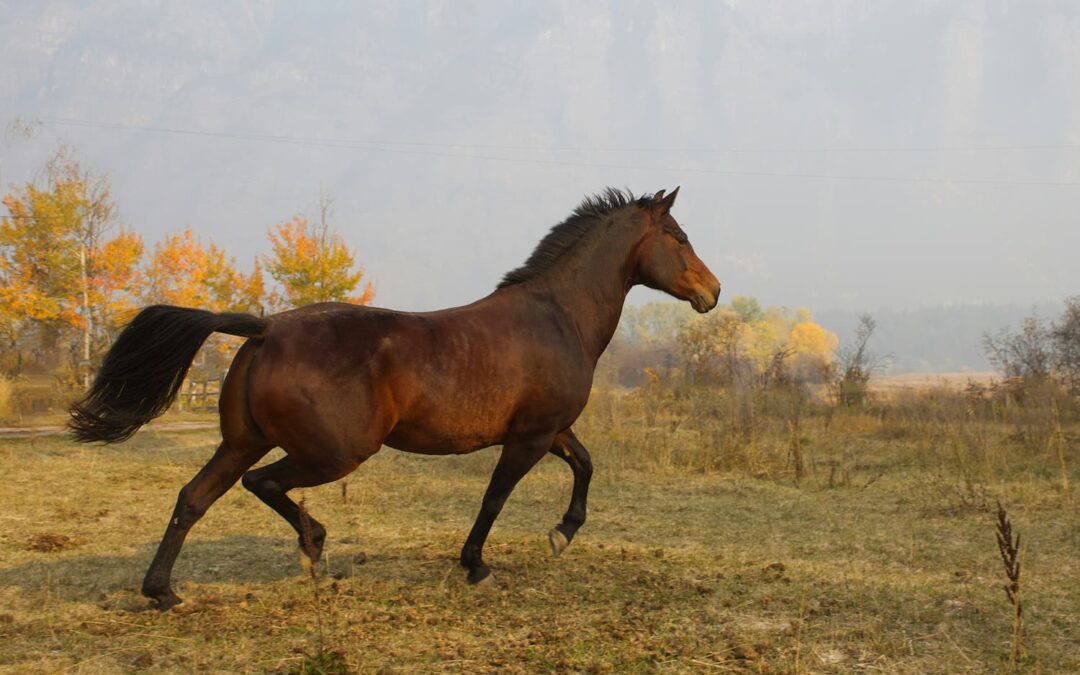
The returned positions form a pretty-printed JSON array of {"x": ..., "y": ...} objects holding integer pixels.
[{"x": 720, "y": 538}]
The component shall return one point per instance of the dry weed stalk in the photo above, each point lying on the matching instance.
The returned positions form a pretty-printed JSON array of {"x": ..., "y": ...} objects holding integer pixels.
[
  {"x": 798, "y": 632},
  {"x": 1058, "y": 437},
  {"x": 1009, "y": 548},
  {"x": 324, "y": 662},
  {"x": 311, "y": 568},
  {"x": 795, "y": 451}
]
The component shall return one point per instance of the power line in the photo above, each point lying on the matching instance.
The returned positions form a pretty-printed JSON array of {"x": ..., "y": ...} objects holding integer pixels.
[
  {"x": 363, "y": 143},
  {"x": 417, "y": 148}
]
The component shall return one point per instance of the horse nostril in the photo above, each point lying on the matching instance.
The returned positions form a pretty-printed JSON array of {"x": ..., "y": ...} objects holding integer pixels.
[
  {"x": 702, "y": 303},
  {"x": 708, "y": 298}
]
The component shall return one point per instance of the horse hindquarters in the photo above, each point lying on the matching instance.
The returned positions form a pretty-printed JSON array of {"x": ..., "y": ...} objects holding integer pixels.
[{"x": 327, "y": 425}]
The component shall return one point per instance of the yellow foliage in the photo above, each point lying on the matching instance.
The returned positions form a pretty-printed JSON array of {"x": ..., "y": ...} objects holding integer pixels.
[
  {"x": 58, "y": 269},
  {"x": 112, "y": 288},
  {"x": 6, "y": 390},
  {"x": 813, "y": 340},
  {"x": 313, "y": 264},
  {"x": 741, "y": 341},
  {"x": 38, "y": 265},
  {"x": 183, "y": 271}
]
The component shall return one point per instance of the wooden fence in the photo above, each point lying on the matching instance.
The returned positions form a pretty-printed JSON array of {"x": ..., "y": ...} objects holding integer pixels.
[{"x": 200, "y": 394}]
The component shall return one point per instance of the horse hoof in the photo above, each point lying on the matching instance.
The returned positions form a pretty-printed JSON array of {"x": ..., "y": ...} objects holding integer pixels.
[
  {"x": 479, "y": 576},
  {"x": 558, "y": 541},
  {"x": 487, "y": 582},
  {"x": 163, "y": 602}
]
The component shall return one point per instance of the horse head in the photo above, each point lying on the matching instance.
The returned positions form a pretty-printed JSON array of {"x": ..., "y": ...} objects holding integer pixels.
[{"x": 666, "y": 260}]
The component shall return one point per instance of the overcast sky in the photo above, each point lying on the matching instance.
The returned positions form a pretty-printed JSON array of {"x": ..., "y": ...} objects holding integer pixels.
[{"x": 831, "y": 154}]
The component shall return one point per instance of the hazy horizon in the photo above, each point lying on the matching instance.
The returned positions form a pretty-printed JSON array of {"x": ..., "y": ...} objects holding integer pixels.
[{"x": 834, "y": 155}]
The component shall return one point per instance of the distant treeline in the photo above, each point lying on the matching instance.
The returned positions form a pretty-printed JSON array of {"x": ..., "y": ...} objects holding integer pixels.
[{"x": 946, "y": 338}]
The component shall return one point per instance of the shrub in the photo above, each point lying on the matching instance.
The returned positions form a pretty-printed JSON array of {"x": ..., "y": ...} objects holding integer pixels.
[{"x": 6, "y": 397}]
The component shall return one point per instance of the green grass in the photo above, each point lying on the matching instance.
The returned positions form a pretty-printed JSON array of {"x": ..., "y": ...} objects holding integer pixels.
[{"x": 678, "y": 569}]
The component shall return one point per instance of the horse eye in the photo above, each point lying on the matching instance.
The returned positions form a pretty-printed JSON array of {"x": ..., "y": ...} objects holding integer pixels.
[{"x": 679, "y": 235}]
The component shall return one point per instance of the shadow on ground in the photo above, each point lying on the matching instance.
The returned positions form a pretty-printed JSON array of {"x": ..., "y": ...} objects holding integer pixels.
[{"x": 237, "y": 559}]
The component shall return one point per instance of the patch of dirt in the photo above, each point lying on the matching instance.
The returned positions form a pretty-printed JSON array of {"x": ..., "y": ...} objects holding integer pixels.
[
  {"x": 49, "y": 542},
  {"x": 775, "y": 572}
]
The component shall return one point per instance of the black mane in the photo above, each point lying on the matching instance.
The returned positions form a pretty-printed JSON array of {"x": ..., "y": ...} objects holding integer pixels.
[{"x": 566, "y": 234}]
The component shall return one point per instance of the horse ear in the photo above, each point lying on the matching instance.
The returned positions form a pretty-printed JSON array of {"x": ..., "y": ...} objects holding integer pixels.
[
  {"x": 658, "y": 196},
  {"x": 666, "y": 203}
]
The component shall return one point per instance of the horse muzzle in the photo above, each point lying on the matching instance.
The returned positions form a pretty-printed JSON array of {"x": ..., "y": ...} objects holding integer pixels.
[{"x": 705, "y": 299}]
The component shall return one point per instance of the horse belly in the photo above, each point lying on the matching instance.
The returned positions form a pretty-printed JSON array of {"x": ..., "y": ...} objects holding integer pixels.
[
  {"x": 453, "y": 424},
  {"x": 427, "y": 437}
]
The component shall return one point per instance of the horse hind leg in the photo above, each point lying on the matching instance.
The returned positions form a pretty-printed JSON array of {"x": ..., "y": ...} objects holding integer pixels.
[
  {"x": 212, "y": 481},
  {"x": 271, "y": 484}
]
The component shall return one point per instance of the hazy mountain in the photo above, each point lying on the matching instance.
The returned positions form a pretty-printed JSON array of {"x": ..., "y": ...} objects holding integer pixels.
[{"x": 483, "y": 124}]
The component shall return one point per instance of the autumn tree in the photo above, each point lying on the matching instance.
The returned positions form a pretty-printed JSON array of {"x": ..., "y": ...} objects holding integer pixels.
[
  {"x": 1065, "y": 334},
  {"x": 714, "y": 347},
  {"x": 1040, "y": 351},
  {"x": 63, "y": 266},
  {"x": 184, "y": 271},
  {"x": 857, "y": 364},
  {"x": 645, "y": 339},
  {"x": 744, "y": 345},
  {"x": 313, "y": 264},
  {"x": 813, "y": 348},
  {"x": 653, "y": 323}
]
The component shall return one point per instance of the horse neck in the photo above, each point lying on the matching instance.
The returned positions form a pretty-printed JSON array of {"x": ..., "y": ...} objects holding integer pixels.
[{"x": 592, "y": 283}]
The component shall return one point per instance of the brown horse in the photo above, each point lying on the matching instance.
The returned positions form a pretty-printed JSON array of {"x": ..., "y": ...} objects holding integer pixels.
[{"x": 332, "y": 383}]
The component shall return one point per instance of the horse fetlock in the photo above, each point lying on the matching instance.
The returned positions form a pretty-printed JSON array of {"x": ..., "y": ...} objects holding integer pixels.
[
  {"x": 573, "y": 520},
  {"x": 471, "y": 555},
  {"x": 472, "y": 560}
]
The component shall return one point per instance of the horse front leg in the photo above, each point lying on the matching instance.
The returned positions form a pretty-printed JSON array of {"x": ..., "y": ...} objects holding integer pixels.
[
  {"x": 569, "y": 449},
  {"x": 516, "y": 460}
]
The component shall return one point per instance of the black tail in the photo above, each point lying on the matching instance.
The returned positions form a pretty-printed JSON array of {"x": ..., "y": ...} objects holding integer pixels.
[{"x": 145, "y": 367}]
